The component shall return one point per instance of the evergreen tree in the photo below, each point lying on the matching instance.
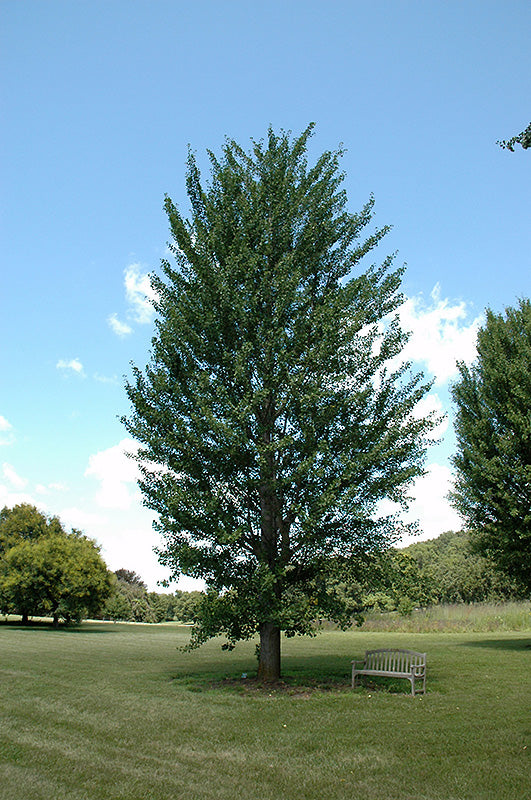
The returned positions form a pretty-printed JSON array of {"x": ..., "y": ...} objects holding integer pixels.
[
  {"x": 493, "y": 426},
  {"x": 270, "y": 425}
]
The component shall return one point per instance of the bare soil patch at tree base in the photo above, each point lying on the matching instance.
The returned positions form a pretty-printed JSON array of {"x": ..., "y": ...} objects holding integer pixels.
[{"x": 292, "y": 687}]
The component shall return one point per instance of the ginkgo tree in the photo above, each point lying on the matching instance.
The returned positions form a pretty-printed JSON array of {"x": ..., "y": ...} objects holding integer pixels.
[{"x": 270, "y": 421}]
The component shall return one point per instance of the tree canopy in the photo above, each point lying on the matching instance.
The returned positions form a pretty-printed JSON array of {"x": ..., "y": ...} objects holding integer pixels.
[
  {"x": 25, "y": 522},
  {"x": 271, "y": 420},
  {"x": 46, "y": 571},
  {"x": 450, "y": 570},
  {"x": 493, "y": 427}
]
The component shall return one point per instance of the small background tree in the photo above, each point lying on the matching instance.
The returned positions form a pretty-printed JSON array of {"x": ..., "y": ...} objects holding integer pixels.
[{"x": 46, "y": 571}]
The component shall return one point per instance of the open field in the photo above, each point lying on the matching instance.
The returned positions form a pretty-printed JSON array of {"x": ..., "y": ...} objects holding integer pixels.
[
  {"x": 456, "y": 618},
  {"x": 116, "y": 712}
]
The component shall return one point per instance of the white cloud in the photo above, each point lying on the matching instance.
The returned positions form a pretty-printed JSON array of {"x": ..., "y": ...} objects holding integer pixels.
[
  {"x": 440, "y": 334},
  {"x": 81, "y": 519},
  {"x": 6, "y": 432},
  {"x": 117, "y": 474},
  {"x": 40, "y": 488},
  {"x": 74, "y": 364},
  {"x": 431, "y": 404},
  {"x": 126, "y": 535},
  {"x": 119, "y": 328},
  {"x": 105, "y": 379},
  {"x": 125, "y": 531},
  {"x": 430, "y": 505},
  {"x": 9, "y": 498},
  {"x": 139, "y": 293},
  {"x": 11, "y": 493},
  {"x": 12, "y": 477}
]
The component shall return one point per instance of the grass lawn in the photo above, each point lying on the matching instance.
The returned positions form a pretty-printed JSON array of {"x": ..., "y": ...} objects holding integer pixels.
[{"x": 116, "y": 711}]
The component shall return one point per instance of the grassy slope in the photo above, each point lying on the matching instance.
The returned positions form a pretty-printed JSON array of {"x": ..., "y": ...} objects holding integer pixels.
[{"x": 117, "y": 712}]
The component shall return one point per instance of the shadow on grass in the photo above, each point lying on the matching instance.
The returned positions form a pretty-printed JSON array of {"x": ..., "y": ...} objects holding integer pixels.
[
  {"x": 323, "y": 676},
  {"x": 292, "y": 685},
  {"x": 43, "y": 625},
  {"x": 500, "y": 644}
]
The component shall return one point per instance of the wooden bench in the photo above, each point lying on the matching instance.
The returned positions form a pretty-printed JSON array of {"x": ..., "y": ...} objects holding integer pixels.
[{"x": 393, "y": 664}]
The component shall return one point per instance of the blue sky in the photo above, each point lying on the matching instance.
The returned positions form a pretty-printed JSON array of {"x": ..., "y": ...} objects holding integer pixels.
[{"x": 100, "y": 101}]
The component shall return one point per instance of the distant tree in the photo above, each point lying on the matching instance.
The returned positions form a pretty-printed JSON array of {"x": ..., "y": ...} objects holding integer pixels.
[
  {"x": 187, "y": 605},
  {"x": 23, "y": 522},
  {"x": 493, "y": 426},
  {"x": 270, "y": 422},
  {"x": 523, "y": 138},
  {"x": 162, "y": 606},
  {"x": 118, "y": 607},
  {"x": 130, "y": 577},
  {"x": 449, "y": 570},
  {"x": 129, "y": 601},
  {"x": 61, "y": 575}
]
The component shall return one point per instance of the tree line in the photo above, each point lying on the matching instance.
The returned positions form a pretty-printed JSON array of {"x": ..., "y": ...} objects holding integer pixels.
[
  {"x": 131, "y": 602},
  {"x": 46, "y": 571},
  {"x": 447, "y": 569}
]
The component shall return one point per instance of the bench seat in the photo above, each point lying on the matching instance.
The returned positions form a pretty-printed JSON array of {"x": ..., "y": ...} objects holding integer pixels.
[{"x": 393, "y": 663}]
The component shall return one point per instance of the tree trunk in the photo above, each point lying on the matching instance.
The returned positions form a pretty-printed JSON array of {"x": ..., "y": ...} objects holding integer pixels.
[
  {"x": 25, "y": 618},
  {"x": 56, "y": 620},
  {"x": 269, "y": 663}
]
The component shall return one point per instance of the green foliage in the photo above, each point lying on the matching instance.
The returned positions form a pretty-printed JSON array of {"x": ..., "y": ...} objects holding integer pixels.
[
  {"x": 25, "y": 522},
  {"x": 447, "y": 569},
  {"x": 131, "y": 602},
  {"x": 493, "y": 426},
  {"x": 450, "y": 570},
  {"x": 523, "y": 138},
  {"x": 118, "y": 607},
  {"x": 186, "y": 605},
  {"x": 270, "y": 424},
  {"x": 45, "y": 570}
]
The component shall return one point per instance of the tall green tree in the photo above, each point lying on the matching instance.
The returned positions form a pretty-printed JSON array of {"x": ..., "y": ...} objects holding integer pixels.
[
  {"x": 493, "y": 426},
  {"x": 270, "y": 423}
]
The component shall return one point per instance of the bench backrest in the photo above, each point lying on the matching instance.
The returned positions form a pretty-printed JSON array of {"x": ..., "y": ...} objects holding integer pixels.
[{"x": 395, "y": 660}]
